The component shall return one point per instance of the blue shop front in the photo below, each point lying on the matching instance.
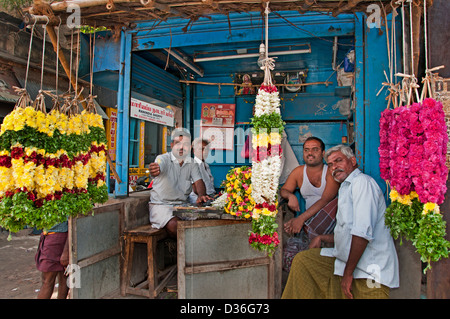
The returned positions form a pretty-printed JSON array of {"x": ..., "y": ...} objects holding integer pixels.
[
  {"x": 335, "y": 65},
  {"x": 204, "y": 76}
]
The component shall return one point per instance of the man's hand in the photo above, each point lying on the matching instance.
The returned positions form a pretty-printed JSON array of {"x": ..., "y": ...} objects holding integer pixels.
[
  {"x": 203, "y": 199},
  {"x": 154, "y": 169},
  {"x": 346, "y": 285},
  {"x": 315, "y": 242},
  {"x": 294, "y": 225}
]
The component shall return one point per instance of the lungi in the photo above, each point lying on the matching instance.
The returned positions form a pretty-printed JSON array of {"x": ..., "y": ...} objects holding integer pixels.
[
  {"x": 49, "y": 252},
  {"x": 312, "y": 277},
  {"x": 160, "y": 215}
]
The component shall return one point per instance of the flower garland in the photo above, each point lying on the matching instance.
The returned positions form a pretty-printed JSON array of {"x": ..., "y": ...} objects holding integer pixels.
[
  {"x": 237, "y": 196},
  {"x": 413, "y": 146},
  {"x": 266, "y": 168},
  {"x": 51, "y": 166}
]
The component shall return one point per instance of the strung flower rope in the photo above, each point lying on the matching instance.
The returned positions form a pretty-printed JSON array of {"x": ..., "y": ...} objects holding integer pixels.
[{"x": 266, "y": 159}]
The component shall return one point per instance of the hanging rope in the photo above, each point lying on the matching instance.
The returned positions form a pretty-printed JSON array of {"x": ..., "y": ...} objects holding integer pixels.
[
  {"x": 426, "y": 89},
  {"x": 91, "y": 104},
  {"x": 391, "y": 87},
  {"x": 268, "y": 63},
  {"x": 39, "y": 102},
  {"x": 409, "y": 82},
  {"x": 24, "y": 98}
]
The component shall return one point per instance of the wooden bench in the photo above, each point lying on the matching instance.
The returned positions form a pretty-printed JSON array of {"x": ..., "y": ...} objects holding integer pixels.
[{"x": 155, "y": 282}]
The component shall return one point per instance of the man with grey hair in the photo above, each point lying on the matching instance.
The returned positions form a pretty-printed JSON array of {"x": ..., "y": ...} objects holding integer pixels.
[
  {"x": 363, "y": 262},
  {"x": 173, "y": 174},
  {"x": 200, "y": 148}
]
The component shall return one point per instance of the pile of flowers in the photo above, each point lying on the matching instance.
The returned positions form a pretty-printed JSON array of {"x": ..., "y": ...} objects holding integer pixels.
[
  {"x": 413, "y": 147},
  {"x": 237, "y": 195},
  {"x": 266, "y": 168},
  {"x": 51, "y": 166}
]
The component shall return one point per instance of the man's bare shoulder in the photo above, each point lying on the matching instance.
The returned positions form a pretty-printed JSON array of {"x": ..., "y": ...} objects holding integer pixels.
[{"x": 297, "y": 173}]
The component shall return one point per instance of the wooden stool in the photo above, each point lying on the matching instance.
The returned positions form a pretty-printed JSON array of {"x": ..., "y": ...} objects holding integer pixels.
[{"x": 153, "y": 285}]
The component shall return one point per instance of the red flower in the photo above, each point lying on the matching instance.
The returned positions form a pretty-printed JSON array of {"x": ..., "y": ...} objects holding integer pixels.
[
  {"x": 5, "y": 161},
  {"x": 17, "y": 152},
  {"x": 31, "y": 196}
]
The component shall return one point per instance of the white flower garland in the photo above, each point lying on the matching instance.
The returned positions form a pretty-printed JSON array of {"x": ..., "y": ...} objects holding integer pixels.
[
  {"x": 267, "y": 103},
  {"x": 265, "y": 179}
]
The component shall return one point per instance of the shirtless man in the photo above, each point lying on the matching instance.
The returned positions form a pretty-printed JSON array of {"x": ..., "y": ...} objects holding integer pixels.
[{"x": 315, "y": 182}]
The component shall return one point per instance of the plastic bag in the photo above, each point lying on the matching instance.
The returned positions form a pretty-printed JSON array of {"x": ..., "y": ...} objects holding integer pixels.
[{"x": 294, "y": 245}]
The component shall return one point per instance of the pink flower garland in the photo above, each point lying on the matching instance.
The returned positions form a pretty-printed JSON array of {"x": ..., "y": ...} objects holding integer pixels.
[{"x": 413, "y": 146}]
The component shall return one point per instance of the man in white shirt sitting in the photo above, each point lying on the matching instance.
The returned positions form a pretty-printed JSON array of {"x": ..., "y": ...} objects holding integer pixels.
[
  {"x": 200, "y": 148},
  {"x": 173, "y": 173},
  {"x": 363, "y": 262}
]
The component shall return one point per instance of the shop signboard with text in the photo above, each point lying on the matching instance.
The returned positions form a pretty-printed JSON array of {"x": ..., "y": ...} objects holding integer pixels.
[{"x": 151, "y": 113}]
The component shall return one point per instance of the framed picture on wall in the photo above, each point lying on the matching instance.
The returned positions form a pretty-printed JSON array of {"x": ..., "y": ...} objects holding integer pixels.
[{"x": 217, "y": 124}]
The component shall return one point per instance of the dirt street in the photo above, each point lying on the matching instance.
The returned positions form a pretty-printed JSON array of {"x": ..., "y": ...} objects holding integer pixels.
[{"x": 19, "y": 278}]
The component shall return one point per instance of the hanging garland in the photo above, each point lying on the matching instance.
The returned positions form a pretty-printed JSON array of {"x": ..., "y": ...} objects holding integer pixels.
[
  {"x": 251, "y": 192},
  {"x": 51, "y": 166},
  {"x": 266, "y": 168},
  {"x": 413, "y": 147}
]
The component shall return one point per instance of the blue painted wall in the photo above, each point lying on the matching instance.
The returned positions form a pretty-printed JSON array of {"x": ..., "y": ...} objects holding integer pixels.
[{"x": 314, "y": 110}]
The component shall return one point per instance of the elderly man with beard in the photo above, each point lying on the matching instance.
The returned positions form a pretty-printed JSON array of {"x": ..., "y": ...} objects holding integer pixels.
[
  {"x": 173, "y": 173},
  {"x": 363, "y": 262}
]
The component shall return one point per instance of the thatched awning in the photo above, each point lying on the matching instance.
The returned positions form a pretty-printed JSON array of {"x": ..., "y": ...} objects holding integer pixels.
[{"x": 113, "y": 13}]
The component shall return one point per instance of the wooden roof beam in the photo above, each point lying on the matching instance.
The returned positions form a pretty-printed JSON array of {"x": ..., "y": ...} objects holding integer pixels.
[{"x": 347, "y": 7}]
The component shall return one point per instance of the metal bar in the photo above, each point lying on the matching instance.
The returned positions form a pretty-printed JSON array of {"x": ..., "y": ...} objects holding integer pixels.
[
  {"x": 359, "y": 89},
  {"x": 250, "y": 55},
  {"x": 181, "y": 59}
]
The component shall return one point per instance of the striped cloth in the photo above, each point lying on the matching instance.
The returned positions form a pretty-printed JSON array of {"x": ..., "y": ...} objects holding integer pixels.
[{"x": 323, "y": 221}]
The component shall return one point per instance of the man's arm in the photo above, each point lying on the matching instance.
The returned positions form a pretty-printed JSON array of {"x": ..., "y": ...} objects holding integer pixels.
[
  {"x": 292, "y": 182},
  {"x": 64, "y": 259},
  {"x": 329, "y": 193},
  {"x": 200, "y": 190},
  {"x": 357, "y": 248},
  {"x": 318, "y": 240}
]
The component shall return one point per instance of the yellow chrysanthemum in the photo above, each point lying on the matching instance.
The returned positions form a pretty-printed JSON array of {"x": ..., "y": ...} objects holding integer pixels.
[
  {"x": 275, "y": 138},
  {"x": 430, "y": 207}
]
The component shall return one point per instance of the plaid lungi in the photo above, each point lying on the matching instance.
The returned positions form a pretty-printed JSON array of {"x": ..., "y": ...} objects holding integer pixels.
[{"x": 312, "y": 277}]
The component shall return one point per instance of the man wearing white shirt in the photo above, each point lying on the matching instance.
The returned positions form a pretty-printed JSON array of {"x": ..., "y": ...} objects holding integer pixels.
[
  {"x": 200, "y": 148},
  {"x": 173, "y": 174},
  {"x": 363, "y": 262}
]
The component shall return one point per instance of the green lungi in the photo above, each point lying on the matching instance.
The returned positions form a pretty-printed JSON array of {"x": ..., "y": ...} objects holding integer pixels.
[{"x": 311, "y": 277}]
